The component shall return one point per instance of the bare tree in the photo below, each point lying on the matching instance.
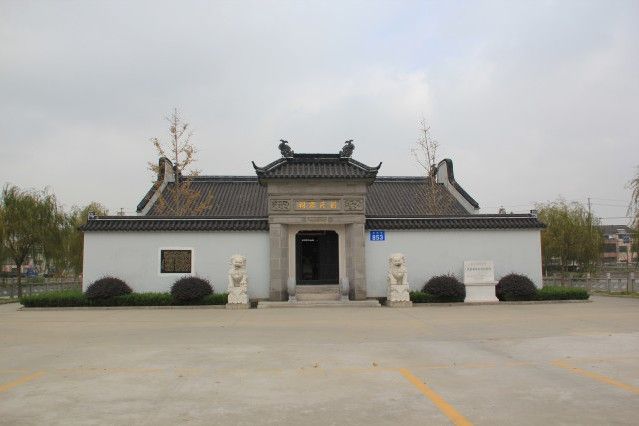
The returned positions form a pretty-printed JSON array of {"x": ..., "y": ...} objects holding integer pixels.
[
  {"x": 425, "y": 153},
  {"x": 179, "y": 198}
]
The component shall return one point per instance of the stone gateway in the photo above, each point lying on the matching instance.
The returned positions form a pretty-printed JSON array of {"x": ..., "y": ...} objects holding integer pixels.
[{"x": 303, "y": 224}]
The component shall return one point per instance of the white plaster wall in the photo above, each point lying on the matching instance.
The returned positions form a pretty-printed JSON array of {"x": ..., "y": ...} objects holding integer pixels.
[
  {"x": 135, "y": 258},
  {"x": 436, "y": 252}
]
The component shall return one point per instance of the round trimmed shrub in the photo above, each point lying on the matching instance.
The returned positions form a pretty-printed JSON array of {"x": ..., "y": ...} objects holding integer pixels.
[
  {"x": 445, "y": 288},
  {"x": 190, "y": 289},
  {"x": 514, "y": 287},
  {"x": 106, "y": 288}
]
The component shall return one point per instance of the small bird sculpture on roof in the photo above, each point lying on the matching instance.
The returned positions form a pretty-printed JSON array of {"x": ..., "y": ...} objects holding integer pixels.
[
  {"x": 285, "y": 149},
  {"x": 347, "y": 150}
]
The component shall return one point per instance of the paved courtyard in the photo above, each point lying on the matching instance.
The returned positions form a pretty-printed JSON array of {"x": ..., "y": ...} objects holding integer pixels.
[{"x": 507, "y": 364}]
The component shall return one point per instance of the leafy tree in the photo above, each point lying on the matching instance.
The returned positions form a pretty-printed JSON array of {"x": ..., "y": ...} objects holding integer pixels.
[
  {"x": 179, "y": 198},
  {"x": 633, "y": 207},
  {"x": 65, "y": 251},
  {"x": 571, "y": 235},
  {"x": 4, "y": 254},
  {"x": 633, "y": 210},
  {"x": 31, "y": 223},
  {"x": 74, "y": 237}
]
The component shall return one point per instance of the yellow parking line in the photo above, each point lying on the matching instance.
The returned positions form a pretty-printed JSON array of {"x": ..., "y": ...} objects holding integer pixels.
[
  {"x": 436, "y": 399},
  {"x": 596, "y": 376},
  {"x": 20, "y": 380}
]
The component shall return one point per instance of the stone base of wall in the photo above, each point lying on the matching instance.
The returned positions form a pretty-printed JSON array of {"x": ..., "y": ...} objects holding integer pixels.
[
  {"x": 238, "y": 306},
  {"x": 402, "y": 304}
]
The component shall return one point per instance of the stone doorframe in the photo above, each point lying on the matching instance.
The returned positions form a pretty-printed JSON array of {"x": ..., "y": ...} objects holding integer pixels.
[
  {"x": 350, "y": 231},
  {"x": 341, "y": 246}
]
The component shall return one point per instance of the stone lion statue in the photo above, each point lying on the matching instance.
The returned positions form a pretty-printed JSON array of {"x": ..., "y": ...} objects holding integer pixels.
[
  {"x": 397, "y": 269},
  {"x": 398, "y": 289},
  {"x": 238, "y": 280}
]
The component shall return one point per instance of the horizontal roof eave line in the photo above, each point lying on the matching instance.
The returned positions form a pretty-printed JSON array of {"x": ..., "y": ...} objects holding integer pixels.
[
  {"x": 166, "y": 218},
  {"x": 472, "y": 216}
]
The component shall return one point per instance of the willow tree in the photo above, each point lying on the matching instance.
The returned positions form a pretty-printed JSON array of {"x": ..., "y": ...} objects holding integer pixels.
[
  {"x": 68, "y": 252},
  {"x": 30, "y": 223},
  {"x": 571, "y": 237},
  {"x": 179, "y": 198}
]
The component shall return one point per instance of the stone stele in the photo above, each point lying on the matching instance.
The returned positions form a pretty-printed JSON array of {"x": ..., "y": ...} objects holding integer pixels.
[
  {"x": 398, "y": 295},
  {"x": 479, "y": 280},
  {"x": 238, "y": 283}
]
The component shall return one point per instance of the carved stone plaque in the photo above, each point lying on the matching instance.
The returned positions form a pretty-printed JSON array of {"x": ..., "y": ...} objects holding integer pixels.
[
  {"x": 280, "y": 205},
  {"x": 353, "y": 204},
  {"x": 479, "y": 271}
]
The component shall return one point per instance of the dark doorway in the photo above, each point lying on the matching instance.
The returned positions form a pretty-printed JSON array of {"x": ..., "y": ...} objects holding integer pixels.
[{"x": 317, "y": 257}]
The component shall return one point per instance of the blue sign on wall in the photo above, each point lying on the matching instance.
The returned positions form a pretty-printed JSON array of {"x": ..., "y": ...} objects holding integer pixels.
[{"x": 378, "y": 236}]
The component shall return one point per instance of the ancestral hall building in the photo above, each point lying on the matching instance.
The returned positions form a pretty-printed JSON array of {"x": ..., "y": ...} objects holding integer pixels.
[{"x": 310, "y": 219}]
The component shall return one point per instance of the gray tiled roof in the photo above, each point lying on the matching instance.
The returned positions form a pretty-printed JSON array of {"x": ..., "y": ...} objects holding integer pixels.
[
  {"x": 409, "y": 197},
  {"x": 231, "y": 196},
  {"x": 316, "y": 166},
  {"x": 243, "y": 196}
]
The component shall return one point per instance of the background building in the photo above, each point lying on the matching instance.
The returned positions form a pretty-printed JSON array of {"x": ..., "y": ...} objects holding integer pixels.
[{"x": 618, "y": 244}]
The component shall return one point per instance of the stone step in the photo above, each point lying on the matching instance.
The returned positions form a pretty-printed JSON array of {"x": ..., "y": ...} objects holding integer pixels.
[
  {"x": 324, "y": 292},
  {"x": 316, "y": 289},
  {"x": 370, "y": 303},
  {"x": 317, "y": 296}
]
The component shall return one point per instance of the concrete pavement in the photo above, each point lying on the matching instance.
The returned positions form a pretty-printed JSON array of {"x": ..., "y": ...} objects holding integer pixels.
[{"x": 505, "y": 364}]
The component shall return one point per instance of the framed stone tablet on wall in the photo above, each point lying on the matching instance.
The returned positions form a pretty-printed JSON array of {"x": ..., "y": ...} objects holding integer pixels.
[{"x": 175, "y": 261}]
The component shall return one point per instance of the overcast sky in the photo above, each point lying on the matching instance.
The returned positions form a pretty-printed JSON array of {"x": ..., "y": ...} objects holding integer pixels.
[{"x": 531, "y": 100}]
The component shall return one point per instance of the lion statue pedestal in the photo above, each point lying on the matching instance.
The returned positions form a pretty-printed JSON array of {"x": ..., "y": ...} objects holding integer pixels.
[
  {"x": 238, "y": 284},
  {"x": 398, "y": 295}
]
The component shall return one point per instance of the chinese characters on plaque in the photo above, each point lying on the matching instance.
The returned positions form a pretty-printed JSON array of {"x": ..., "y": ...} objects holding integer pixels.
[{"x": 316, "y": 204}]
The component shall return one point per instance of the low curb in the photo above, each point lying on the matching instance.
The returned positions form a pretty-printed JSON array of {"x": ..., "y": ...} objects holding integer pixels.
[
  {"x": 624, "y": 296},
  {"x": 526, "y": 302},
  {"x": 120, "y": 308},
  {"x": 266, "y": 305},
  {"x": 369, "y": 303}
]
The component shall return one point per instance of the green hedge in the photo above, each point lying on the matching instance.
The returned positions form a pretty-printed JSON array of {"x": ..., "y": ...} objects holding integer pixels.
[
  {"x": 546, "y": 293},
  {"x": 421, "y": 297},
  {"x": 562, "y": 293},
  {"x": 77, "y": 298}
]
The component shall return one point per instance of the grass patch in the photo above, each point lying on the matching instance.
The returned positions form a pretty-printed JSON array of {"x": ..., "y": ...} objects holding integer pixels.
[
  {"x": 74, "y": 298},
  {"x": 562, "y": 293},
  {"x": 65, "y": 299},
  {"x": 4, "y": 301},
  {"x": 422, "y": 297}
]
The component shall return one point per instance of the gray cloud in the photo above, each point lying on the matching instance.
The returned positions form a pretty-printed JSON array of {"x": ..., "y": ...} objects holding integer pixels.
[{"x": 532, "y": 100}]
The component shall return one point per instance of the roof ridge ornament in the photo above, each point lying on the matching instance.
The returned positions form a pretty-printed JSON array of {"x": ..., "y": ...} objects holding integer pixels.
[
  {"x": 348, "y": 149},
  {"x": 286, "y": 150}
]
